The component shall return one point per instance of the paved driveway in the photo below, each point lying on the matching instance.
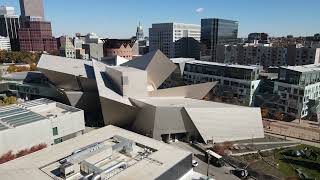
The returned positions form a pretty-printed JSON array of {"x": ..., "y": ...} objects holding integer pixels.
[{"x": 222, "y": 173}]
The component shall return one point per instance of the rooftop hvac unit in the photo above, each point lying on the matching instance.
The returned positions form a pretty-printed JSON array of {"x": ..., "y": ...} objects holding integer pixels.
[{"x": 66, "y": 169}]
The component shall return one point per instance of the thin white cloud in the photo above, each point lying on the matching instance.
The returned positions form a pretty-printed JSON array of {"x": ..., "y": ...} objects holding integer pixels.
[{"x": 199, "y": 10}]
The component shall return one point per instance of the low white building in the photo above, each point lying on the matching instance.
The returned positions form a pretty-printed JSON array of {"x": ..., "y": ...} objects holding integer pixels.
[
  {"x": 5, "y": 43},
  {"x": 36, "y": 122},
  {"x": 106, "y": 153}
]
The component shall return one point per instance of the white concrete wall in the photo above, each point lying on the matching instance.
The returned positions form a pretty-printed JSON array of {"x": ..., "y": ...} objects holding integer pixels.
[
  {"x": 137, "y": 84},
  {"x": 38, "y": 132},
  {"x": 227, "y": 124},
  {"x": 116, "y": 77},
  {"x": 25, "y": 136},
  {"x": 68, "y": 123}
]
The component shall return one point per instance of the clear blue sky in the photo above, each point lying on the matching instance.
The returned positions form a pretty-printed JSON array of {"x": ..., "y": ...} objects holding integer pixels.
[{"x": 119, "y": 18}]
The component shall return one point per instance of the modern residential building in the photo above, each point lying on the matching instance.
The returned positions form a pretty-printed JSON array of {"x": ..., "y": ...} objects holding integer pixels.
[
  {"x": 236, "y": 83},
  {"x": 32, "y": 9},
  {"x": 66, "y": 47},
  {"x": 9, "y": 25},
  {"x": 216, "y": 32},
  {"x": 106, "y": 153},
  {"x": 35, "y": 122},
  {"x": 252, "y": 54},
  {"x": 5, "y": 43},
  {"x": 265, "y": 55},
  {"x": 303, "y": 55},
  {"x": 125, "y": 48},
  {"x": 37, "y": 36},
  {"x": 130, "y": 96},
  {"x": 163, "y": 36},
  {"x": 295, "y": 93}
]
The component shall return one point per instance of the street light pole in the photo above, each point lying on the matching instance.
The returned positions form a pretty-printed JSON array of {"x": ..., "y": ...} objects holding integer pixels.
[
  {"x": 208, "y": 164},
  {"x": 209, "y": 158}
]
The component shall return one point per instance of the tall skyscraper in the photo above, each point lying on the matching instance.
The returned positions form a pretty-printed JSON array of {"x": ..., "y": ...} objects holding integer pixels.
[
  {"x": 35, "y": 34},
  {"x": 164, "y": 35},
  {"x": 9, "y": 25},
  {"x": 216, "y": 32},
  {"x": 32, "y": 8}
]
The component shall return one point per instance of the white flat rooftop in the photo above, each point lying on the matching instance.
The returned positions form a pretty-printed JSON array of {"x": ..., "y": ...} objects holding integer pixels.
[
  {"x": 29, "y": 167},
  {"x": 31, "y": 111},
  {"x": 304, "y": 68},
  {"x": 181, "y": 60},
  {"x": 252, "y": 67}
]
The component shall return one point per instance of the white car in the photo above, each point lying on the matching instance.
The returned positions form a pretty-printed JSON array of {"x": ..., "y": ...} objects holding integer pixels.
[{"x": 194, "y": 163}]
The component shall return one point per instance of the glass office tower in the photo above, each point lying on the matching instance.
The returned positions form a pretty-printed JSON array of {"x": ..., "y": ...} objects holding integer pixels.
[{"x": 216, "y": 32}]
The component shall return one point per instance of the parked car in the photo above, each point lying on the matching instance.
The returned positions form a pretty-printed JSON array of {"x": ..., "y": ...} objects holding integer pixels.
[
  {"x": 194, "y": 163},
  {"x": 241, "y": 173}
]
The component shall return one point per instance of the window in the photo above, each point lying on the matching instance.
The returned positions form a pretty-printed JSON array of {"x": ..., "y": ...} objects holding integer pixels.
[
  {"x": 55, "y": 131},
  {"x": 57, "y": 141}
]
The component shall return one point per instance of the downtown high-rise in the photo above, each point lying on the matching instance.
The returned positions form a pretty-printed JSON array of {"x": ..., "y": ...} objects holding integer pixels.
[
  {"x": 163, "y": 36},
  {"x": 216, "y": 32},
  {"x": 35, "y": 34}
]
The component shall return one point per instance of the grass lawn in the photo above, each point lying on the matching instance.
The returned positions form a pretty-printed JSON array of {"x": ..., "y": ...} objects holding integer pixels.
[{"x": 288, "y": 164}]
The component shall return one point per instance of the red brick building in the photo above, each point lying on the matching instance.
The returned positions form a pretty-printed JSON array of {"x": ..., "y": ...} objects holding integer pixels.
[
  {"x": 119, "y": 47},
  {"x": 37, "y": 36}
]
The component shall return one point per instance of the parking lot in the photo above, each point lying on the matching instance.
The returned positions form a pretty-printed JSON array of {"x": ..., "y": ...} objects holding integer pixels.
[{"x": 214, "y": 172}]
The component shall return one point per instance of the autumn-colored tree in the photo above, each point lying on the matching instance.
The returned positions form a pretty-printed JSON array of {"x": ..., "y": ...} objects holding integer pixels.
[
  {"x": 279, "y": 116},
  {"x": 227, "y": 144},
  {"x": 13, "y": 68},
  {"x": 33, "y": 67},
  {"x": 264, "y": 112},
  {"x": 19, "y": 57},
  {"x": 219, "y": 149},
  {"x": 8, "y": 101}
]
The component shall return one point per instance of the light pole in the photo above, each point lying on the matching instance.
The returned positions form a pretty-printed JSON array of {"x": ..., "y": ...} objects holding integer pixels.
[
  {"x": 208, "y": 155},
  {"x": 208, "y": 163}
]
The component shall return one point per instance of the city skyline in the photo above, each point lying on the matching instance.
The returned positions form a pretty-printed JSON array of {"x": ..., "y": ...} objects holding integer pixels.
[{"x": 280, "y": 19}]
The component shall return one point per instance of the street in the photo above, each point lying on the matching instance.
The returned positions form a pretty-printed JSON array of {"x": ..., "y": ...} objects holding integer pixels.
[{"x": 222, "y": 173}]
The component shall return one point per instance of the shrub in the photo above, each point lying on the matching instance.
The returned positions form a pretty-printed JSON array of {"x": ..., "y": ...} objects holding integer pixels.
[
  {"x": 7, "y": 157},
  {"x": 10, "y": 156},
  {"x": 22, "y": 153}
]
